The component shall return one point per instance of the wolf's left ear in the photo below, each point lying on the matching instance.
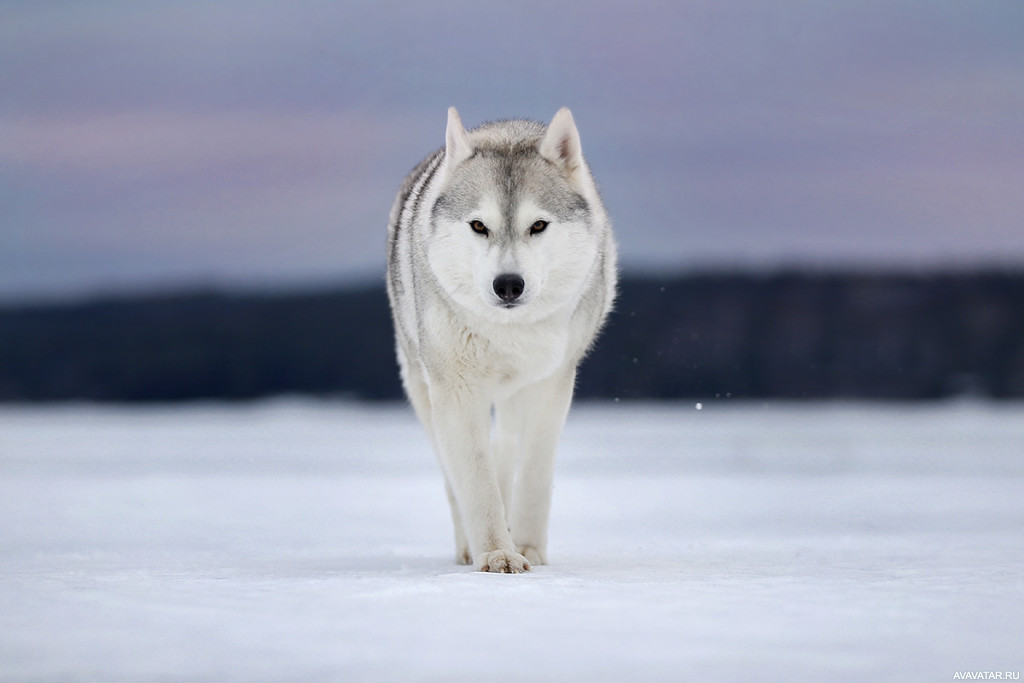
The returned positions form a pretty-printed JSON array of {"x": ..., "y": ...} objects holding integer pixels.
[
  {"x": 457, "y": 145},
  {"x": 561, "y": 143}
]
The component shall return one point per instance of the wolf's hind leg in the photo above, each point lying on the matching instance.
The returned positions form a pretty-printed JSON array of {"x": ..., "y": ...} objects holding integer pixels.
[
  {"x": 462, "y": 554},
  {"x": 419, "y": 396},
  {"x": 505, "y": 448}
]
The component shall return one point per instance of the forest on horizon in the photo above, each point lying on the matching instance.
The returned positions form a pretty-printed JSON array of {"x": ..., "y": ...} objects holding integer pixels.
[{"x": 792, "y": 335}]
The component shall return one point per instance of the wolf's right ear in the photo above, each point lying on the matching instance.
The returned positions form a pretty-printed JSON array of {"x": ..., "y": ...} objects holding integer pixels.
[
  {"x": 561, "y": 143},
  {"x": 457, "y": 145}
]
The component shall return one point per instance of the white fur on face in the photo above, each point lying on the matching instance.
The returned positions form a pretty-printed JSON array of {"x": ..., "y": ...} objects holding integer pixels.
[
  {"x": 557, "y": 262},
  {"x": 554, "y": 264},
  {"x": 465, "y": 263}
]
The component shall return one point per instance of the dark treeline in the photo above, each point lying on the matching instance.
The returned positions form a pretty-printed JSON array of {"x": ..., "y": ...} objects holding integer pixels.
[{"x": 740, "y": 336}]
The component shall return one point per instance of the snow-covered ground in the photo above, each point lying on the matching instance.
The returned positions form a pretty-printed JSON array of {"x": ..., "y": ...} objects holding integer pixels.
[{"x": 305, "y": 541}]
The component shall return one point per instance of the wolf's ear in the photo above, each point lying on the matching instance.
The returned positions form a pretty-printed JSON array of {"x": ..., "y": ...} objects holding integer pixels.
[
  {"x": 561, "y": 143},
  {"x": 457, "y": 145}
]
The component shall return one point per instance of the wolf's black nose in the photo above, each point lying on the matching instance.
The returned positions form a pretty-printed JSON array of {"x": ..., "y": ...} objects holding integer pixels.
[{"x": 508, "y": 287}]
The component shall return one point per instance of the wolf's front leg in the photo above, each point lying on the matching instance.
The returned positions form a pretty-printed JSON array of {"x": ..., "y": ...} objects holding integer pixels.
[
  {"x": 541, "y": 410},
  {"x": 461, "y": 423}
]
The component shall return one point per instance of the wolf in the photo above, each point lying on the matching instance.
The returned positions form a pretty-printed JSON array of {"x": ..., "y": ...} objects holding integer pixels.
[{"x": 501, "y": 270}]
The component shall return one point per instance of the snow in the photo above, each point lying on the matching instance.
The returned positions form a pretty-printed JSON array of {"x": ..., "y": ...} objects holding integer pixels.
[{"x": 298, "y": 540}]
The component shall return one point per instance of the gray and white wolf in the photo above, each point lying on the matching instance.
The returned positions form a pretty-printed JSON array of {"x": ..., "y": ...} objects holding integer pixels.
[{"x": 501, "y": 271}]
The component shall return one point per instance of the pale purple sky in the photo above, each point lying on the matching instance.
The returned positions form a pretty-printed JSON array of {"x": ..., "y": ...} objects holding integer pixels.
[{"x": 146, "y": 145}]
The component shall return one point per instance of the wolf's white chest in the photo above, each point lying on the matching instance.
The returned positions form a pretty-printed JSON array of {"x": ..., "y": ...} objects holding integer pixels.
[
  {"x": 530, "y": 354},
  {"x": 504, "y": 357}
]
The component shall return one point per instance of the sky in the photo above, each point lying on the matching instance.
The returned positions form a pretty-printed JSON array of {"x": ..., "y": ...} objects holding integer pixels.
[{"x": 151, "y": 145}]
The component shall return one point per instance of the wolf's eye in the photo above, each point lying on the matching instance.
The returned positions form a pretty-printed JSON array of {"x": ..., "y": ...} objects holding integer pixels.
[
  {"x": 479, "y": 228},
  {"x": 539, "y": 226}
]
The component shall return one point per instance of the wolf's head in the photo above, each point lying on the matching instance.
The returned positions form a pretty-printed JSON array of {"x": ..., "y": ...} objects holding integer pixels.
[{"x": 517, "y": 224}]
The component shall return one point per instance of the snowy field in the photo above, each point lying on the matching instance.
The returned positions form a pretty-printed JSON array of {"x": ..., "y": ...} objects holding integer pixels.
[{"x": 306, "y": 541}]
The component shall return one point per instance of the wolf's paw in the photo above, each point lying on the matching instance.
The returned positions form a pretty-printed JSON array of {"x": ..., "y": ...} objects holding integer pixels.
[
  {"x": 534, "y": 556},
  {"x": 503, "y": 562},
  {"x": 462, "y": 556}
]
